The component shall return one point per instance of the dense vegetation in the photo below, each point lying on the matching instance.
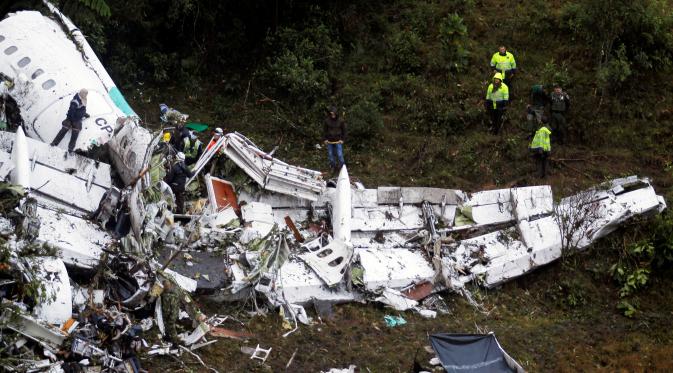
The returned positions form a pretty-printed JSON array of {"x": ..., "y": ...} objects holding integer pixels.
[{"x": 409, "y": 77}]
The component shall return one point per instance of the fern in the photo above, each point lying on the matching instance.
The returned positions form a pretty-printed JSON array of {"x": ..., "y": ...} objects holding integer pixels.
[{"x": 99, "y": 6}]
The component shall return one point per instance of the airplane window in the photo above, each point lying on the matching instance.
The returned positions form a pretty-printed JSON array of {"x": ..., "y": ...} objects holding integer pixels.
[
  {"x": 11, "y": 50},
  {"x": 24, "y": 61},
  {"x": 48, "y": 84},
  {"x": 2, "y": 38},
  {"x": 37, "y": 73}
]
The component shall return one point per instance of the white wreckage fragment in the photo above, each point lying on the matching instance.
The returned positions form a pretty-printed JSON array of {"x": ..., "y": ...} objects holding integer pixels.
[
  {"x": 512, "y": 232},
  {"x": 330, "y": 261},
  {"x": 56, "y": 308},
  {"x": 20, "y": 174},
  {"x": 47, "y": 71},
  {"x": 70, "y": 182},
  {"x": 575, "y": 223},
  {"x": 270, "y": 173},
  {"x": 80, "y": 243}
]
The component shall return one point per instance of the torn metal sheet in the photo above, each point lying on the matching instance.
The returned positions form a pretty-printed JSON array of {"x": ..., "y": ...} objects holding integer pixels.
[
  {"x": 131, "y": 150},
  {"x": 56, "y": 308},
  {"x": 65, "y": 181},
  {"x": 418, "y": 195},
  {"x": 80, "y": 243},
  {"x": 6, "y": 165},
  {"x": 330, "y": 261},
  {"x": 259, "y": 216},
  {"x": 532, "y": 201},
  {"x": 48, "y": 336},
  {"x": 396, "y": 300},
  {"x": 271, "y": 173},
  {"x": 394, "y": 268},
  {"x": 489, "y": 207}
]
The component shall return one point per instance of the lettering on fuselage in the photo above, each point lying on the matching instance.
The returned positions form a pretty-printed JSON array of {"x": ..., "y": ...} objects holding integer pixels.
[{"x": 102, "y": 123}]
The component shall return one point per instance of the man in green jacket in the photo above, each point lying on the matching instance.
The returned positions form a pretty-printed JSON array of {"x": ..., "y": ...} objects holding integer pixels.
[{"x": 559, "y": 107}]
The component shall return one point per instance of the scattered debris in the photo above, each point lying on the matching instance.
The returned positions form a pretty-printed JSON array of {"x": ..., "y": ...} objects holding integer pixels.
[
  {"x": 91, "y": 263},
  {"x": 257, "y": 353},
  {"x": 351, "y": 369},
  {"x": 393, "y": 321}
]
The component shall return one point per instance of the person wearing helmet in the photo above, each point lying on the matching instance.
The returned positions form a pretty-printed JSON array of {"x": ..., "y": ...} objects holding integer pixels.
[
  {"x": 73, "y": 120},
  {"x": 497, "y": 97},
  {"x": 193, "y": 148},
  {"x": 335, "y": 134},
  {"x": 503, "y": 62},
  {"x": 175, "y": 118},
  {"x": 177, "y": 179},
  {"x": 216, "y": 135}
]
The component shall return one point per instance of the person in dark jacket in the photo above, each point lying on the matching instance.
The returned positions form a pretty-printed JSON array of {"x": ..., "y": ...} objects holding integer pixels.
[
  {"x": 537, "y": 102},
  {"x": 335, "y": 134},
  {"x": 73, "y": 120},
  {"x": 180, "y": 133},
  {"x": 559, "y": 107},
  {"x": 177, "y": 179}
]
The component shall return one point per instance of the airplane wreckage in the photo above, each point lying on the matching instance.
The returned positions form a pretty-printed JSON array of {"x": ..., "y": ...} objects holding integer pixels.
[{"x": 98, "y": 235}]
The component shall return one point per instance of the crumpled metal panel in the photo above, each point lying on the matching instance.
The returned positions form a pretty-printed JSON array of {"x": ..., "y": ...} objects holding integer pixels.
[
  {"x": 393, "y": 268},
  {"x": 80, "y": 243}
]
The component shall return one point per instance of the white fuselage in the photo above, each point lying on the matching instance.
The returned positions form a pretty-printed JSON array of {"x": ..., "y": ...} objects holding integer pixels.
[{"x": 48, "y": 68}]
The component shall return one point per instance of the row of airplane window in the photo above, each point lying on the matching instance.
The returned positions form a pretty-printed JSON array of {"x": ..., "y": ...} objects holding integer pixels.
[{"x": 25, "y": 61}]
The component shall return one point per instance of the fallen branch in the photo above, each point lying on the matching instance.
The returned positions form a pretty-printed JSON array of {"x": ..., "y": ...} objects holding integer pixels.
[{"x": 197, "y": 357}]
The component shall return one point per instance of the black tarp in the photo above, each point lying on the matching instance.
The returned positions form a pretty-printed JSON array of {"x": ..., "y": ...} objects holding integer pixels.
[{"x": 473, "y": 353}]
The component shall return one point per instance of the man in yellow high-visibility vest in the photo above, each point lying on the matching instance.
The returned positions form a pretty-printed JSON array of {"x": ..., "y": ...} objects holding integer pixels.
[
  {"x": 541, "y": 148},
  {"x": 503, "y": 62},
  {"x": 497, "y": 97}
]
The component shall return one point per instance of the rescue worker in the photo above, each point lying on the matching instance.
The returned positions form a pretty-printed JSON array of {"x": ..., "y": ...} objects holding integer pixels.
[
  {"x": 175, "y": 118},
  {"x": 541, "y": 148},
  {"x": 503, "y": 62},
  {"x": 537, "y": 102},
  {"x": 334, "y": 136},
  {"x": 216, "y": 135},
  {"x": 177, "y": 179},
  {"x": 192, "y": 148},
  {"x": 170, "y": 308},
  {"x": 559, "y": 107},
  {"x": 497, "y": 97},
  {"x": 73, "y": 120}
]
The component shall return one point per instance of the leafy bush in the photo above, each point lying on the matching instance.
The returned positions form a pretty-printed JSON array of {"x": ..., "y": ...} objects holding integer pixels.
[
  {"x": 365, "y": 123},
  {"x": 622, "y": 34},
  {"x": 616, "y": 71},
  {"x": 555, "y": 73},
  {"x": 298, "y": 77},
  {"x": 453, "y": 37},
  {"x": 299, "y": 70},
  {"x": 405, "y": 51},
  {"x": 637, "y": 261}
]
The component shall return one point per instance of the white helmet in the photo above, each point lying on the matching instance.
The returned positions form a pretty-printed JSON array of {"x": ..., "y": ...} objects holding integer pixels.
[
  {"x": 181, "y": 156},
  {"x": 219, "y": 131}
]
